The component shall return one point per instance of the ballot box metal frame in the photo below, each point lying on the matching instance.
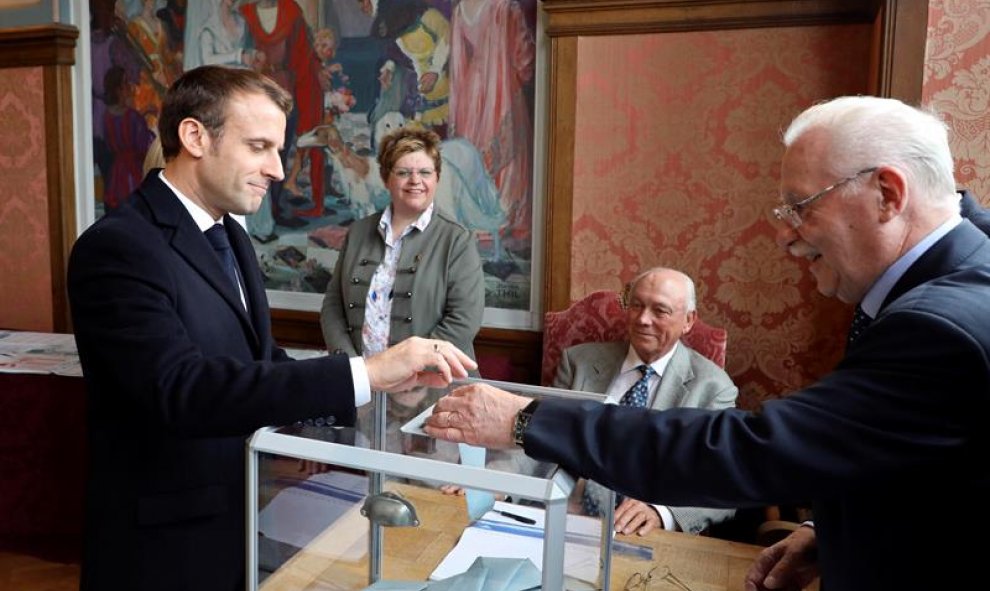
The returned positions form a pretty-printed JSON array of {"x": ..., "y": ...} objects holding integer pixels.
[{"x": 553, "y": 491}]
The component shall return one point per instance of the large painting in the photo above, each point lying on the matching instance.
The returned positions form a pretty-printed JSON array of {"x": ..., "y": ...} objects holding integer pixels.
[{"x": 357, "y": 69}]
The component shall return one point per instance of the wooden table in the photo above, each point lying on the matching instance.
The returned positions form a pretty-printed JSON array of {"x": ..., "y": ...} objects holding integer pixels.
[{"x": 701, "y": 563}]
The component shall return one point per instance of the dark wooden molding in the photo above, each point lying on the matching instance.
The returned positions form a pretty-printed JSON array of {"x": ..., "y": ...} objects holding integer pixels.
[
  {"x": 625, "y": 17},
  {"x": 558, "y": 213},
  {"x": 903, "y": 32},
  {"x": 296, "y": 328},
  {"x": 60, "y": 166},
  {"x": 42, "y": 45}
]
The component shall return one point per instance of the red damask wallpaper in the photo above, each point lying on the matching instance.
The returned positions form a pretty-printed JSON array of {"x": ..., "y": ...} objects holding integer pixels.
[
  {"x": 25, "y": 284},
  {"x": 957, "y": 85},
  {"x": 677, "y": 163}
]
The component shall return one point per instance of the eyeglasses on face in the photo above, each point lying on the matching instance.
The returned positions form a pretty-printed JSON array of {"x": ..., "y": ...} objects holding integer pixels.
[
  {"x": 407, "y": 173},
  {"x": 791, "y": 213}
]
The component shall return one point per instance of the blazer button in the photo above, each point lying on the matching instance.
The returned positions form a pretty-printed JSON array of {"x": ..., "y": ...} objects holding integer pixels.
[
  {"x": 355, "y": 280},
  {"x": 412, "y": 269},
  {"x": 351, "y": 305},
  {"x": 408, "y": 319},
  {"x": 408, "y": 294},
  {"x": 364, "y": 262}
]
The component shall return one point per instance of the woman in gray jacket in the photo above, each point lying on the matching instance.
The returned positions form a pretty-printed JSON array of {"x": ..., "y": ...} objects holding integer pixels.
[{"x": 408, "y": 270}]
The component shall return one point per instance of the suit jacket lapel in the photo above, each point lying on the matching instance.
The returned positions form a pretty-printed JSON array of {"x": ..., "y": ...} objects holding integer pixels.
[
  {"x": 604, "y": 367},
  {"x": 674, "y": 379},
  {"x": 189, "y": 242},
  {"x": 945, "y": 255}
]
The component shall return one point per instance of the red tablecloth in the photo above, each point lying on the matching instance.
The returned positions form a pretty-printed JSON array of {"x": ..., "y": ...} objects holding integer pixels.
[{"x": 42, "y": 455}]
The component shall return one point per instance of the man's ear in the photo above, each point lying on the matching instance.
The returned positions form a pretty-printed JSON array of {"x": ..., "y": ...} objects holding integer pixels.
[
  {"x": 893, "y": 192},
  {"x": 194, "y": 137},
  {"x": 689, "y": 324}
]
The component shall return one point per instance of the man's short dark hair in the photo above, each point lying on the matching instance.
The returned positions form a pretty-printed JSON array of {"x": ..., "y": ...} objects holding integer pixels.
[{"x": 202, "y": 94}]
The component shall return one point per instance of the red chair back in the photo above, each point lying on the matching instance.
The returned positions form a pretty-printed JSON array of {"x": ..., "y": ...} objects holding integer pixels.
[{"x": 600, "y": 317}]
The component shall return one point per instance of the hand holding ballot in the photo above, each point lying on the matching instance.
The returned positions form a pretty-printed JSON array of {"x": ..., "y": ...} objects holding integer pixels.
[
  {"x": 477, "y": 414},
  {"x": 417, "y": 362}
]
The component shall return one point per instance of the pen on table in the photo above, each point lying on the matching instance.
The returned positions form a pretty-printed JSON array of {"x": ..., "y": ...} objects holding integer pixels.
[{"x": 518, "y": 518}]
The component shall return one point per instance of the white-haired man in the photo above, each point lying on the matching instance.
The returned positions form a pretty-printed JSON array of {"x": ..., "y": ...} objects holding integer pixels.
[{"x": 894, "y": 432}]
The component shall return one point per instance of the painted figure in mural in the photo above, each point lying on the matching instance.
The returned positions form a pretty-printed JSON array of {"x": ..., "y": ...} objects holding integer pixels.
[
  {"x": 337, "y": 98},
  {"x": 127, "y": 138},
  {"x": 491, "y": 60},
  {"x": 109, "y": 47},
  {"x": 158, "y": 65},
  {"x": 173, "y": 19},
  {"x": 278, "y": 32},
  {"x": 216, "y": 35},
  {"x": 422, "y": 33},
  {"x": 180, "y": 363},
  {"x": 410, "y": 270}
]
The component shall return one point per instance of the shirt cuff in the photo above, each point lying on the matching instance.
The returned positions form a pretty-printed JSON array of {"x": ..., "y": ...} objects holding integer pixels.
[
  {"x": 666, "y": 517},
  {"x": 362, "y": 385}
]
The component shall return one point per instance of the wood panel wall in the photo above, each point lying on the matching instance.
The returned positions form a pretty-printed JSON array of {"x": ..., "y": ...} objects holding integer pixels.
[{"x": 52, "y": 49}]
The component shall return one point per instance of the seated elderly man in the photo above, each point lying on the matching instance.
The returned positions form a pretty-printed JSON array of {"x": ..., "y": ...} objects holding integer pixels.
[{"x": 653, "y": 369}]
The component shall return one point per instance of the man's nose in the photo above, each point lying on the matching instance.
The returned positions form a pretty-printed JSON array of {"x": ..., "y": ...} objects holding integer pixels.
[
  {"x": 273, "y": 167},
  {"x": 786, "y": 235}
]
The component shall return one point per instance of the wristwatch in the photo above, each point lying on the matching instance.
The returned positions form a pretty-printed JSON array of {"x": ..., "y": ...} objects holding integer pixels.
[{"x": 522, "y": 421}]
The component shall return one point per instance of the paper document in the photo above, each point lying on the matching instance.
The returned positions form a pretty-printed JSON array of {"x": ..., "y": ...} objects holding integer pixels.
[
  {"x": 415, "y": 425},
  {"x": 496, "y": 536}
]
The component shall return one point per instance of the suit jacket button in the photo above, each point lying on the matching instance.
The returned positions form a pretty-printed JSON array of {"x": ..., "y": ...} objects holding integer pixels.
[
  {"x": 351, "y": 305},
  {"x": 331, "y": 420},
  {"x": 412, "y": 269},
  {"x": 408, "y": 294},
  {"x": 355, "y": 280},
  {"x": 319, "y": 422},
  {"x": 408, "y": 319},
  {"x": 364, "y": 262}
]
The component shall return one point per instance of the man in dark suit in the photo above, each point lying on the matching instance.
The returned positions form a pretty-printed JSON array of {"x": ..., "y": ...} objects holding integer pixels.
[
  {"x": 174, "y": 337},
  {"x": 895, "y": 431}
]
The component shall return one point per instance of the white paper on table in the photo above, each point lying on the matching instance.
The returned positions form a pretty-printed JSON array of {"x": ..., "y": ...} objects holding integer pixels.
[{"x": 495, "y": 536}]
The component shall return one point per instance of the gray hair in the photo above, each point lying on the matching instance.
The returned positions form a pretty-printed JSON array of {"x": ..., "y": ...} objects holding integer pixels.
[
  {"x": 869, "y": 131},
  {"x": 690, "y": 294}
]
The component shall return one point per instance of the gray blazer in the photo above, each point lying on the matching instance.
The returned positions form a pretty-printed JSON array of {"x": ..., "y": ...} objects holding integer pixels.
[
  {"x": 690, "y": 380},
  {"x": 439, "y": 288}
]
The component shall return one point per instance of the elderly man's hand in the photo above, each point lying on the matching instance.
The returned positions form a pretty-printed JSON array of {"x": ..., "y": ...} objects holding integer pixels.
[
  {"x": 636, "y": 517},
  {"x": 417, "y": 362},
  {"x": 789, "y": 565},
  {"x": 477, "y": 414}
]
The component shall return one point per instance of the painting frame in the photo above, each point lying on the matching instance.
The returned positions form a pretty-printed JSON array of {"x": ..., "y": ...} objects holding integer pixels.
[{"x": 526, "y": 316}]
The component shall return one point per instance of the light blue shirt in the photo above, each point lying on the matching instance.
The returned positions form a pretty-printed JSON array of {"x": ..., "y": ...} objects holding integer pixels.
[{"x": 881, "y": 288}]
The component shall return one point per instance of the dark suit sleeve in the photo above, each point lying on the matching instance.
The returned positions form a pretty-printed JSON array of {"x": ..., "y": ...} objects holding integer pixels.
[
  {"x": 157, "y": 341},
  {"x": 898, "y": 405}
]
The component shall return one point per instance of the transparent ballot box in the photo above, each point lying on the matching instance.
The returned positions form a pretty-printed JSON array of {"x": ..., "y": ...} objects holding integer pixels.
[{"x": 382, "y": 506}]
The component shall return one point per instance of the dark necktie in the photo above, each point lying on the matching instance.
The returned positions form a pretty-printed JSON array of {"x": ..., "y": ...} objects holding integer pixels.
[
  {"x": 640, "y": 392},
  {"x": 217, "y": 235},
  {"x": 637, "y": 396},
  {"x": 859, "y": 323}
]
